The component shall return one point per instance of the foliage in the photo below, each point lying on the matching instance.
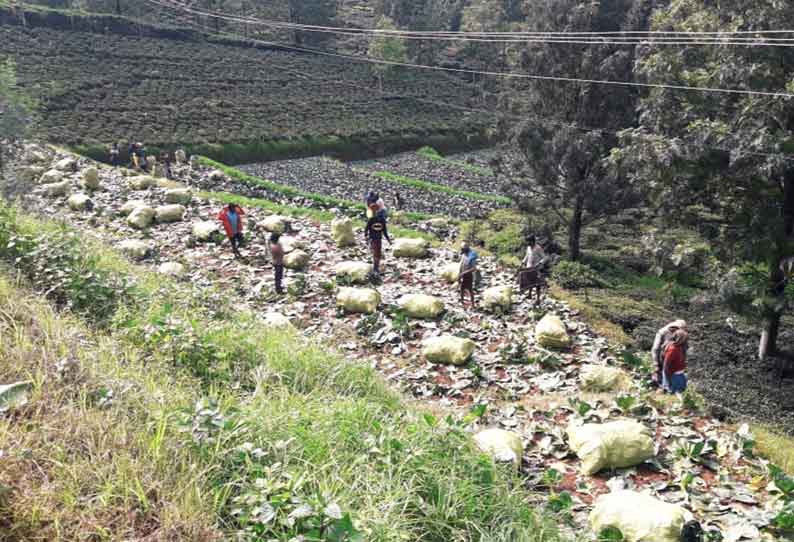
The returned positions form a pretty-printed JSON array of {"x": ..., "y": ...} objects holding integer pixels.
[
  {"x": 575, "y": 275},
  {"x": 561, "y": 167},
  {"x": 725, "y": 153},
  {"x": 321, "y": 441},
  {"x": 58, "y": 263},
  {"x": 502, "y": 232},
  {"x": 610, "y": 534},
  {"x": 784, "y": 520},
  {"x": 286, "y": 190},
  {"x": 515, "y": 351}
]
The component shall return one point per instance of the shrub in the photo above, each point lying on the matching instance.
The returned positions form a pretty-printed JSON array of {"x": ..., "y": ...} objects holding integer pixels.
[
  {"x": 575, "y": 275},
  {"x": 59, "y": 264}
]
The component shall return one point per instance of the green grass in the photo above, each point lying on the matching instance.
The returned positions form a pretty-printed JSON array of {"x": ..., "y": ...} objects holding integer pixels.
[
  {"x": 327, "y": 201},
  {"x": 277, "y": 421},
  {"x": 247, "y": 152},
  {"x": 433, "y": 154},
  {"x": 434, "y": 187},
  {"x": 310, "y": 213}
]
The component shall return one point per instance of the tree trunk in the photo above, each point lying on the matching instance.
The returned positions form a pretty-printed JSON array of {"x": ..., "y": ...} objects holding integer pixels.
[
  {"x": 777, "y": 277},
  {"x": 575, "y": 230}
]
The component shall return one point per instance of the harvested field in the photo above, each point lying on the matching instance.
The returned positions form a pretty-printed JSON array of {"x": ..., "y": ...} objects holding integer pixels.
[{"x": 334, "y": 178}]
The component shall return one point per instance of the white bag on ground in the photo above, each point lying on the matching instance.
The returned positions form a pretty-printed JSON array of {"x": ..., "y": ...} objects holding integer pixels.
[
  {"x": 601, "y": 378},
  {"x": 358, "y": 300},
  {"x": 618, "y": 444},
  {"x": 640, "y": 517},
  {"x": 448, "y": 349},
  {"x": 550, "y": 332},
  {"x": 409, "y": 248},
  {"x": 421, "y": 305},
  {"x": 498, "y": 298},
  {"x": 342, "y": 232},
  {"x": 503, "y": 446},
  {"x": 353, "y": 272}
]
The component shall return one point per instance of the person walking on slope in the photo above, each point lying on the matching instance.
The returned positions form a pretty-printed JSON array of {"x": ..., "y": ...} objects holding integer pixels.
[
  {"x": 277, "y": 255},
  {"x": 466, "y": 272},
  {"x": 530, "y": 276},
  {"x": 232, "y": 218},
  {"x": 663, "y": 337},
  {"x": 374, "y": 199},
  {"x": 674, "y": 363},
  {"x": 374, "y": 233}
]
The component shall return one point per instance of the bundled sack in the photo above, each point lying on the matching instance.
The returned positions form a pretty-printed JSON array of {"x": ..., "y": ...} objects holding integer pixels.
[
  {"x": 640, "y": 517},
  {"x": 550, "y": 332},
  {"x": 618, "y": 444}
]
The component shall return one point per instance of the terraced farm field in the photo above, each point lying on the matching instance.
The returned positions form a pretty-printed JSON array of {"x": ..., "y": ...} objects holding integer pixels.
[
  {"x": 229, "y": 101},
  {"x": 449, "y": 188}
]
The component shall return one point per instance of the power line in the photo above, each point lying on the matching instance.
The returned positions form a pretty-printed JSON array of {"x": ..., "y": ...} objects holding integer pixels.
[
  {"x": 534, "y": 119},
  {"x": 622, "y": 37},
  {"x": 526, "y": 76}
]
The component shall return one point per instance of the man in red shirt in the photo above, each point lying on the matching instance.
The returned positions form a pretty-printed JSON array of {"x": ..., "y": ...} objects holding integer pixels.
[
  {"x": 674, "y": 365},
  {"x": 232, "y": 219}
]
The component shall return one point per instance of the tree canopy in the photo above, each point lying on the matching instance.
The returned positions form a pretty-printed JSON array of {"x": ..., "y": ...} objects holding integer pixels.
[
  {"x": 564, "y": 131},
  {"x": 732, "y": 154}
]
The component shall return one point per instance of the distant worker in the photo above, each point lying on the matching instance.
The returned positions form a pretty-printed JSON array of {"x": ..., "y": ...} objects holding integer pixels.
[
  {"x": 143, "y": 162},
  {"x": 132, "y": 151},
  {"x": 663, "y": 337},
  {"x": 674, "y": 363},
  {"x": 114, "y": 155},
  {"x": 466, "y": 272},
  {"x": 399, "y": 202},
  {"x": 277, "y": 256},
  {"x": 232, "y": 218},
  {"x": 374, "y": 233},
  {"x": 165, "y": 158},
  {"x": 530, "y": 277},
  {"x": 535, "y": 256}
]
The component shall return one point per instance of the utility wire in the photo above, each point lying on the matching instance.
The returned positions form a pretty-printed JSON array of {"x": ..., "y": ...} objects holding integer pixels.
[
  {"x": 615, "y": 37},
  {"x": 519, "y": 118},
  {"x": 526, "y": 76}
]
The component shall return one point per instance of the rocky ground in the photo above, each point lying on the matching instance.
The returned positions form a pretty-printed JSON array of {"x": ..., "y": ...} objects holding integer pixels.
[
  {"x": 696, "y": 462},
  {"x": 334, "y": 178}
]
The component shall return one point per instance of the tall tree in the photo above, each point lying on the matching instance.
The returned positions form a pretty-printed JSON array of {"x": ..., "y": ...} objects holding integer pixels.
[
  {"x": 568, "y": 129},
  {"x": 16, "y": 107},
  {"x": 725, "y": 152}
]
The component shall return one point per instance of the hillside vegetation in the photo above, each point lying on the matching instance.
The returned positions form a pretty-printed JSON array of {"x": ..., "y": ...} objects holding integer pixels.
[
  {"x": 230, "y": 101},
  {"x": 182, "y": 417}
]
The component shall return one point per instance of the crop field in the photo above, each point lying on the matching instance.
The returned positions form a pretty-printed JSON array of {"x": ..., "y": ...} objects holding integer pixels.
[{"x": 96, "y": 88}]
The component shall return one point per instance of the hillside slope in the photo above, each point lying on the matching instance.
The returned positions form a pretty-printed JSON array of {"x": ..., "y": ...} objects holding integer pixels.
[{"x": 169, "y": 89}]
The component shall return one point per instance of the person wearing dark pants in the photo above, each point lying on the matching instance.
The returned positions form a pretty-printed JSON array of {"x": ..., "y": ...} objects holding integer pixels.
[
  {"x": 277, "y": 255},
  {"x": 375, "y": 232},
  {"x": 232, "y": 219},
  {"x": 114, "y": 155},
  {"x": 466, "y": 272}
]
